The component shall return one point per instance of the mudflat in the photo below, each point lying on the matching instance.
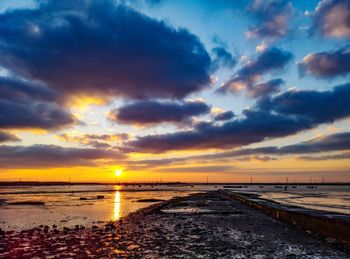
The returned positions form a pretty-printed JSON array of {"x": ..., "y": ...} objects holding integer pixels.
[{"x": 204, "y": 225}]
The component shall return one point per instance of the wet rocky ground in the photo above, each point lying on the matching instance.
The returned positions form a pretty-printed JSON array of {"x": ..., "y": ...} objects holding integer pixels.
[{"x": 204, "y": 225}]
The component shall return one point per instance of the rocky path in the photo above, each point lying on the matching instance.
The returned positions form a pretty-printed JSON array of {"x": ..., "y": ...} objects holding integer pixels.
[{"x": 199, "y": 226}]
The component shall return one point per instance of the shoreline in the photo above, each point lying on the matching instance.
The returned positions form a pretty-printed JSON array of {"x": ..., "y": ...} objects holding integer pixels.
[
  {"x": 204, "y": 224},
  {"x": 326, "y": 224},
  {"x": 173, "y": 184}
]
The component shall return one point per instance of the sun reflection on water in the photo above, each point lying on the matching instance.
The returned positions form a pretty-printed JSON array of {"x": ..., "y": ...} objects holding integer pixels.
[{"x": 116, "y": 214}]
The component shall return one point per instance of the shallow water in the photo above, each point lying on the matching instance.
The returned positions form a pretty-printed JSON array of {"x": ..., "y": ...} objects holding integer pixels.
[
  {"x": 63, "y": 206},
  {"x": 331, "y": 198}
]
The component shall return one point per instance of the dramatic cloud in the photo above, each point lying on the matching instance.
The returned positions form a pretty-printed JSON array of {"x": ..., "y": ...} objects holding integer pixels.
[
  {"x": 283, "y": 115},
  {"x": 334, "y": 142},
  {"x": 153, "y": 163},
  {"x": 95, "y": 140},
  {"x": 272, "y": 17},
  {"x": 270, "y": 60},
  {"x": 33, "y": 115},
  {"x": 267, "y": 88},
  {"x": 7, "y": 137},
  {"x": 20, "y": 90},
  {"x": 237, "y": 153},
  {"x": 224, "y": 116},
  {"x": 222, "y": 58},
  {"x": 198, "y": 169},
  {"x": 150, "y": 112},
  {"x": 98, "y": 48},
  {"x": 327, "y": 64},
  {"x": 320, "y": 107},
  {"x": 42, "y": 156},
  {"x": 332, "y": 18},
  {"x": 24, "y": 104},
  {"x": 327, "y": 143},
  {"x": 256, "y": 126},
  {"x": 326, "y": 157}
]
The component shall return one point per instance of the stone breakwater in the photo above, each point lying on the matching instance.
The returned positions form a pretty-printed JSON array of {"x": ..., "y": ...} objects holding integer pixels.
[{"x": 206, "y": 225}]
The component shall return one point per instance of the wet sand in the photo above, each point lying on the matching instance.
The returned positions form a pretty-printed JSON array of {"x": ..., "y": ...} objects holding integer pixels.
[{"x": 206, "y": 225}]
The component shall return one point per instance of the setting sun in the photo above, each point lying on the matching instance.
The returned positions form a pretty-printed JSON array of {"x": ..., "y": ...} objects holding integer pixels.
[{"x": 118, "y": 172}]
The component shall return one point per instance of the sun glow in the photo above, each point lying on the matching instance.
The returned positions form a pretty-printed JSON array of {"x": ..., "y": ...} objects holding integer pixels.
[{"x": 118, "y": 172}]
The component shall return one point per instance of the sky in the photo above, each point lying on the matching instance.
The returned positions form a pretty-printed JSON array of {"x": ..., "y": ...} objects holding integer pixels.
[{"x": 178, "y": 90}]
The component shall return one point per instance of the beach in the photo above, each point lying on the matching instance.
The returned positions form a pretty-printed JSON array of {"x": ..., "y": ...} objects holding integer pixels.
[{"x": 202, "y": 225}]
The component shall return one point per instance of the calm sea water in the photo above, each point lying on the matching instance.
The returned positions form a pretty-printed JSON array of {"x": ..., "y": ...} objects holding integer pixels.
[{"x": 64, "y": 207}]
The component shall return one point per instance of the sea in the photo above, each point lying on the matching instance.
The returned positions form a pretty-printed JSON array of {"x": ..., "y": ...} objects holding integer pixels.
[{"x": 87, "y": 205}]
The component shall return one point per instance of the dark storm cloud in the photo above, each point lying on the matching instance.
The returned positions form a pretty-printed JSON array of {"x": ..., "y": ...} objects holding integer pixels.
[
  {"x": 283, "y": 115},
  {"x": 327, "y": 143},
  {"x": 267, "y": 88},
  {"x": 42, "y": 156},
  {"x": 99, "y": 48},
  {"x": 151, "y": 111},
  {"x": 270, "y": 60},
  {"x": 334, "y": 142},
  {"x": 28, "y": 114},
  {"x": 224, "y": 116},
  {"x": 19, "y": 89},
  {"x": 25, "y": 104},
  {"x": 332, "y": 19},
  {"x": 272, "y": 18},
  {"x": 222, "y": 58},
  {"x": 320, "y": 107},
  {"x": 8, "y": 137},
  {"x": 327, "y": 64},
  {"x": 256, "y": 126}
]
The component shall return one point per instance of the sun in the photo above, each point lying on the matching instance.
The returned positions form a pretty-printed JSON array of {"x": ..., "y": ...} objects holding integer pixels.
[{"x": 118, "y": 172}]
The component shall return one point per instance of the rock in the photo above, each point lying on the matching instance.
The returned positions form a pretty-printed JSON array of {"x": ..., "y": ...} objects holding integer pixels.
[
  {"x": 46, "y": 229},
  {"x": 94, "y": 227},
  {"x": 26, "y": 203},
  {"x": 330, "y": 240},
  {"x": 132, "y": 247}
]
